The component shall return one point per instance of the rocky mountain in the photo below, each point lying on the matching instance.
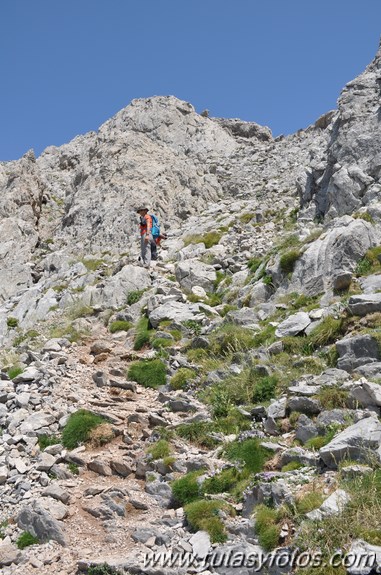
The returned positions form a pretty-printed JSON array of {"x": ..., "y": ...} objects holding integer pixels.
[{"x": 223, "y": 406}]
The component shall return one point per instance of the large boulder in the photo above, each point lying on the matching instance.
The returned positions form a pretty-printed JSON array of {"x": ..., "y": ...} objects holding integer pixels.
[
  {"x": 336, "y": 251},
  {"x": 41, "y": 524},
  {"x": 173, "y": 310},
  {"x": 364, "y": 304},
  {"x": 360, "y": 442},
  {"x": 356, "y": 351},
  {"x": 114, "y": 291},
  {"x": 192, "y": 272},
  {"x": 293, "y": 325}
]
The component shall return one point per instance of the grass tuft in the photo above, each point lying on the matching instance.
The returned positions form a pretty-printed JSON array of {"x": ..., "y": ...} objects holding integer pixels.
[
  {"x": 79, "y": 426},
  {"x": 148, "y": 372}
]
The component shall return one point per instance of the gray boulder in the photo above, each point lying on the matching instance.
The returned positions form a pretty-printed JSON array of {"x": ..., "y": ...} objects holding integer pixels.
[
  {"x": 41, "y": 524},
  {"x": 364, "y": 304},
  {"x": 174, "y": 310},
  {"x": 293, "y": 325},
  {"x": 327, "y": 257},
  {"x": 356, "y": 351},
  {"x": 192, "y": 272},
  {"x": 360, "y": 442}
]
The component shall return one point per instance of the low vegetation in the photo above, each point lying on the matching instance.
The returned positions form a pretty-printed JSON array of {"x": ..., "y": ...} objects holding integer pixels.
[
  {"x": 360, "y": 518},
  {"x": 26, "y": 539},
  {"x": 205, "y": 515},
  {"x": 119, "y": 325},
  {"x": 79, "y": 426},
  {"x": 143, "y": 333},
  {"x": 182, "y": 378},
  {"x": 160, "y": 449},
  {"x": 148, "y": 372},
  {"x": 210, "y": 239}
]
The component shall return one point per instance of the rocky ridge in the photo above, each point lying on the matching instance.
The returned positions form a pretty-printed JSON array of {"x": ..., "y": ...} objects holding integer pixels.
[{"x": 263, "y": 311}]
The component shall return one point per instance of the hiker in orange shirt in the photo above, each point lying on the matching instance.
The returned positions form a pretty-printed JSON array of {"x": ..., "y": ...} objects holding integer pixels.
[{"x": 147, "y": 243}]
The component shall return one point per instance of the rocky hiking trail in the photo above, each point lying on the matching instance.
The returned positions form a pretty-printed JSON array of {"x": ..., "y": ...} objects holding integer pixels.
[{"x": 107, "y": 473}]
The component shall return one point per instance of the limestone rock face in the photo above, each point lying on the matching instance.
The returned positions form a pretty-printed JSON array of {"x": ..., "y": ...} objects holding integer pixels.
[
  {"x": 338, "y": 250},
  {"x": 347, "y": 177}
]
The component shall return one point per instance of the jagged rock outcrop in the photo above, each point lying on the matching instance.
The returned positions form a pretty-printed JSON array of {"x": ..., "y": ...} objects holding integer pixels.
[{"x": 345, "y": 177}]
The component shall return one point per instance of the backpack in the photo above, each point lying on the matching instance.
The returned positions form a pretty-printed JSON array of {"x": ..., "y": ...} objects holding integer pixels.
[{"x": 155, "y": 226}]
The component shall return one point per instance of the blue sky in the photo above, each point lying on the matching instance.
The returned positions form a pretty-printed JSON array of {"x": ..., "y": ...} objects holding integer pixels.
[{"x": 67, "y": 66}]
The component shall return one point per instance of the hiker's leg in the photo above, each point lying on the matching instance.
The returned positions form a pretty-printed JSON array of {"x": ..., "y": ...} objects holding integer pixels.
[
  {"x": 142, "y": 249},
  {"x": 147, "y": 250},
  {"x": 153, "y": 250}
]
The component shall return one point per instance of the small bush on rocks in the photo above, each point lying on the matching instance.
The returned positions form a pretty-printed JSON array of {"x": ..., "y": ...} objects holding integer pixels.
[
  {"x": 248, "y": 452},
  {"x": 26, "y": 539},
  {"x": 12, "y": 322},
  {"x": 210, "y": 239},
  {"x": 134, "y": 296},
  {"x": 14, "y": 371},
  {"x": 46, "y": 440},
  {"x": 143, "y": 334},
  {"x": 230, "y": 339},
  {"x": 267, "y": 527},
  {"x": 182, "y": 378},
  {"x": 120, "y": 325},
  {"x": 288, "y": 260},
  {"x": 160, "y": 449},
  {"x": 148, "y": 372},
  {"x": 79, "y": 426},
  {"x": 187, "y": 488},
  {"x": 103, "y": 569},
  {"x": 204, "y": 515}
]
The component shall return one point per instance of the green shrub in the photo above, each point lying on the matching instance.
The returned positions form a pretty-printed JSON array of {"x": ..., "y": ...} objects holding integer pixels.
[
  {"x": 148, "y": 372},
  {"x": 246, "y": 218},
  {"x": 210, "y": 239},
  {"x": 134, "y": 296},
  {"x": 182, "y": 378},
  {"x": 369, "y": 263},
  {"x": 231, "y": 338},
  {"x": 46, "y": 440},
  {"x": 73, "y": 468},
  {"x": 26, "y": 539},
  {"x": 3, "y": 525},
  {"x": 142, "y": 336},
  {"x": 333, "y": 397},
  {"x": 193, "y": 326},
  {"x": 292, "y": 466},
  {"x": 327, "y": 332},
  {"x": 222, "y": 482},
  {"x": 92, "y": 264},
  {"x": 319, "y": 442},
  {"x": 204, "y": 515},
  {"x": 248, "y": 452},
  {"x": 288, "y": 260},
  {"x": 360, "y": 518},
  {"x": 78, "y": 427},
  {"x": 161, "y": 342},
  {"x": 309, "y": 502},
  {"x": 266, "y": 527},
  {"x": 14, "y": 371},
  {"x": 264, "y": 388},
  {"x": 187, "y": 488},
  {"x": 160, "y": 449},
  {"x": 12, "y": 322},
  {"x": 120, "y": 325},
  {"x": 264, "y": 337},
  {"x": 198, "y": 433}
]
